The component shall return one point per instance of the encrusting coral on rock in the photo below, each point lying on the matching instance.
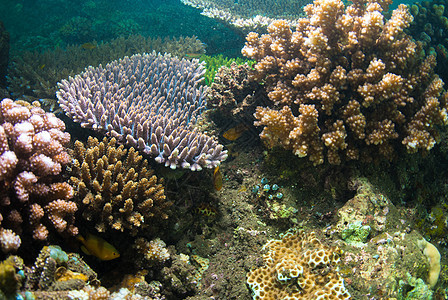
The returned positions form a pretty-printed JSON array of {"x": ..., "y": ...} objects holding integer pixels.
[
  {"x": 150, "y": 101},
  {"x": 115, "y": 188},
  {"x": 347, "y": 84},
  {"x": 298, "y": 267},
  {"x": 154, "y": 251},
  {"x": 32, "y": 155}
]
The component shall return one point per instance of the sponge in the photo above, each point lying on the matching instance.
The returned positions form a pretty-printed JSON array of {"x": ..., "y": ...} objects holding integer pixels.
[{"x": 433, "y": 255}]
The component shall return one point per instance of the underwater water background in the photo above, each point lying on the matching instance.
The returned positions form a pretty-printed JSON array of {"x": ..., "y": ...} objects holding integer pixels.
[
  {"x": 44, "y": 25},
  {"x": 384, "y": 223}
]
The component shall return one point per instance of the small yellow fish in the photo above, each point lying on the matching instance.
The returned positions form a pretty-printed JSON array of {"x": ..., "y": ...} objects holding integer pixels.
[
  {"x": 193, "y": 55},
  {"x": 217, "y": 179},
  {"x": 96, "y": 246},
  {"x": 42, "y": 66},
  {"x": 88, "y": 46},
  {"x": 235, "y": 132},
  {"x": 242, "y": 189}
]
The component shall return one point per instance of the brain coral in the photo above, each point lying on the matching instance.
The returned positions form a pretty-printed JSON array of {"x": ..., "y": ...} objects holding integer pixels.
[
  {"x": 149, "y": 101},
  {"x": 115, "y": 188},
  {"x": 298, "y": 267},
  {"x": 347, "y": 84}
]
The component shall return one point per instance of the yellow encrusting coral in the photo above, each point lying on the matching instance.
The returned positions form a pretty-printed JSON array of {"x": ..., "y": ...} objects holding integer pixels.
[
  {"x": 298, "y": 267},
  {"x": 347, "y": 83},
  {"x": 115, "y": 187}
]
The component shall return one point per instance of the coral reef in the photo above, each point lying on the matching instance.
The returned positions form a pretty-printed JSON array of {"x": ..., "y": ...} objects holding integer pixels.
[
  {"x": 32, "y": 155},
  {"x": 292, "y": 267},
  {"x": 36, "y": 73},
  {"x": 367, "y": 213},
  {"x": 269, "y": 199},
  {"x": 149, "y": 101},
  {"x": 385, "y": 260},
  {"x": 56, "y": 270},
  {"x": 347, "y": 84},
  {"x": 11, "y": 275},
  {"x": 249, "y": 14},
  {"x": 115, "y": 188},
  {"x": 380, "y": 248},
  {"x": 154, "y": 251},
  {"x": 430, "y": 28},
  {"x": 180, "y": 277},
  {"x": 232, "y": 100},
  {"x": 233, "y": 95}
]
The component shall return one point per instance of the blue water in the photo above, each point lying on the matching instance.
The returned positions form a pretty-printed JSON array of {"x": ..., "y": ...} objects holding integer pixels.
[{"x": 45, "y": 24}]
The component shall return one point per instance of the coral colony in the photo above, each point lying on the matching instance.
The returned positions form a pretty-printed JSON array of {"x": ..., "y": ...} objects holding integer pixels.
[
  {"x": 150, "y": 101},
  {"x": 32, "y": 153},
  {"x": 347, "y": 84}
]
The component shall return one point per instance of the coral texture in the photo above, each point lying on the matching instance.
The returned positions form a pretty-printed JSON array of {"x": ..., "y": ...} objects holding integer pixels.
[
  {"x": 233, "y": 94},
  {"x": 115, "y": 188},
  {"x": 149, "y": 101},
  {"x": 154, "y": 251},
  {"x": 347, "y": 84},
  {"x": 56, "y": 270},
  {"x": 32, "y": 154},
  {"x": 292, "y": 270},
  {"x": 36, "y": 73},
  {"x": 249, "y": 14}
]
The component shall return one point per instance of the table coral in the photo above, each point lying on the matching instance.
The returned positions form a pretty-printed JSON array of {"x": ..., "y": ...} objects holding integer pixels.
[
  {"x": 298, "y": 266},
  {"x": 249, "y": 14},
  {"x": 32, "y": 155},
  {"x": 347, "y": 84},
  {"x": 115, "y": 188},
  {"x": 150, "y": 101}
]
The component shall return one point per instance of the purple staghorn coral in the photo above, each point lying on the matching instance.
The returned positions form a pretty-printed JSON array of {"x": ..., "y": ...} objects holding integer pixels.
[{"x": 150, "y": 101}]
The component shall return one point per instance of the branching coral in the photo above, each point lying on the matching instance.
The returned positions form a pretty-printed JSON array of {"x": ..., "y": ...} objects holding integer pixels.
[
  {"x": 32, "y": 155},
  {"x": 150, "y": 101},
  {"x": 347, "y": 84},
  {"x": 115, "y": 188}
]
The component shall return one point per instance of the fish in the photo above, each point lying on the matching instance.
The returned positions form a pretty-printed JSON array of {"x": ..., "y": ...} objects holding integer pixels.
[
  {"x": 42, "y": 66},
  {"x": 217, "y": 179},
  {"x": 193, "y": 55},
  {"x": 235, "y": 133},
  {"x": 88, "y": 46},
  {"x": 96, "y": 246}
]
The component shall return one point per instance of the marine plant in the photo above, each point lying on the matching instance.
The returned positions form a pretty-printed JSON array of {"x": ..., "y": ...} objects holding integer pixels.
[{"x": 215, "y": 62}]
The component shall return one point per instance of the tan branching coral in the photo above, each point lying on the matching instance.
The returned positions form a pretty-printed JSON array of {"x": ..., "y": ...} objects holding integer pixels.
[
  {"x": 298, "y": 267},
  {"x": 347, "y": 84},
  {"x": 115, "y": 188},
  {"x": 32, "y": 156}
]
